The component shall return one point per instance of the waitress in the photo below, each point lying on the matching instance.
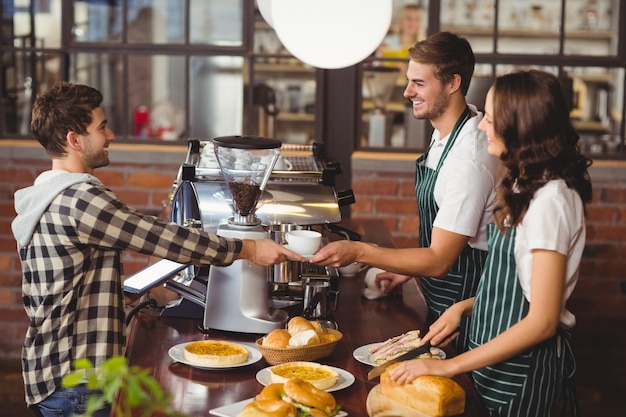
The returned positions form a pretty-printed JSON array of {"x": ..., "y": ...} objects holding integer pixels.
[
  {"x": 520, "y": 351},
  {"x": 455, "y": 185}
]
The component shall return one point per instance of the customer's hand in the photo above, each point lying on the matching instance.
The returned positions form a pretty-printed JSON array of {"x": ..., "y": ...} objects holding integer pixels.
[{"x": 266, "y": 252}]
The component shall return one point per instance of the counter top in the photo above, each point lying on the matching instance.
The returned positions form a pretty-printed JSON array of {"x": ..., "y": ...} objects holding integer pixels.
[{"x": 195, "y": 391}]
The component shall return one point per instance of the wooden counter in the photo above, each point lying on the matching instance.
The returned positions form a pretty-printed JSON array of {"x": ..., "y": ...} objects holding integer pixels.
[{"x": 196, "y": 391}]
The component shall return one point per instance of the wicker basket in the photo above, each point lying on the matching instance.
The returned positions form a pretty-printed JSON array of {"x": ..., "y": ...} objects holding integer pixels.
[{"x": 276, "y": 356}]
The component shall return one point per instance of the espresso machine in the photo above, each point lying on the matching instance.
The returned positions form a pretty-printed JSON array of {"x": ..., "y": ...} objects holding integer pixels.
[{"x": 238, "y": 186}]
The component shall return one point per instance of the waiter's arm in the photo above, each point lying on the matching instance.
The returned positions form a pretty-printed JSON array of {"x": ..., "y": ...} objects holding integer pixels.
[{"x": 435, "y": 260}]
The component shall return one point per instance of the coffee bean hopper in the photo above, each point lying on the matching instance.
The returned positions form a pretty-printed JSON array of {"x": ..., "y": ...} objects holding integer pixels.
[{"x": 244, "y": 187}]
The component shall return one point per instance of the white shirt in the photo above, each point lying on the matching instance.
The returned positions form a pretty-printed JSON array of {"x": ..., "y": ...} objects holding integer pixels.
[
  {"x": 465, "y": 187},
  {"x": 554, "y": 221}
]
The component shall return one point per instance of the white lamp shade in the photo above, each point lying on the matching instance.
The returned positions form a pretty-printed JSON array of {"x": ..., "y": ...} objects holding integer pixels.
[
  {"x": 331, "y": 33},
  {"x": 266, "y": 10}
]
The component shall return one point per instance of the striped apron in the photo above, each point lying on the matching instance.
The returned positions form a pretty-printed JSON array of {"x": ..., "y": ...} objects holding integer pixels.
[
  {"x": 529, "y": 384},
  {"x": 461, "y": 281}
]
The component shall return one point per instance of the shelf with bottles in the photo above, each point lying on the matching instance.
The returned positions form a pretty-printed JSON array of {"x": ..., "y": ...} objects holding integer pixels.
[
  {"x": 283, "y": 66},
  {"x": 597, "y": 34},
  {"x": 297, "y": 117}
]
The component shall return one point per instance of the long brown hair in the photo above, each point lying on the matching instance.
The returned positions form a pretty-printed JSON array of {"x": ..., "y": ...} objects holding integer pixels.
[{"x": 531, "y": 114}]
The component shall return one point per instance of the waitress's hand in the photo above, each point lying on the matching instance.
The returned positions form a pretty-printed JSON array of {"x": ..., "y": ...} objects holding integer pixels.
[
  {"x": 407, "y": 371},
  {"x": 446, "y": 328},
  {"x": 387, "y": 281}
]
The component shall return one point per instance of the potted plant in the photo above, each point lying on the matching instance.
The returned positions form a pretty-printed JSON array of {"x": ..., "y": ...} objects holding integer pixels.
[{"x": 130, "y": 390}]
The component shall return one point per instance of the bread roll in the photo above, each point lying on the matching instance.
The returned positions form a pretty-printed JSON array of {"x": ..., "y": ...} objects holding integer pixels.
[
  {"x": 314, "y": 400},
  {"x": 304, "y": 338},
  {"x": 268, "y": 408},
  {"x": 299, "y": 324},
  {"x": 271, "y": 392},
  {"x": 277, "y": 338},
  {"x": 433, "y": 395}
]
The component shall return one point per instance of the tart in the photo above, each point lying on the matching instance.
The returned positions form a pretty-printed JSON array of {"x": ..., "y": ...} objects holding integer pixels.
[
  {"x": 215, "y": 353},
  {"x": 320, "y": 376}
]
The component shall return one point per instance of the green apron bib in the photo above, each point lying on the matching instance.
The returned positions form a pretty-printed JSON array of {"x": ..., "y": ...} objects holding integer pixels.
[
  {"x": 461, "y": 281},
  {"x": 529, "y": 384}
]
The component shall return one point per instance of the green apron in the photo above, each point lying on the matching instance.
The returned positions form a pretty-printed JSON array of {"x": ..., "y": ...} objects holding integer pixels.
[
  {"x": 529, "y": 384},
  {"x": 461, "y": 281}
]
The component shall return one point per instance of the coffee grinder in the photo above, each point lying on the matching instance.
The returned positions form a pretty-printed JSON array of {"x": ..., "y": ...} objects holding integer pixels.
[{"x": 238, "y": 295}]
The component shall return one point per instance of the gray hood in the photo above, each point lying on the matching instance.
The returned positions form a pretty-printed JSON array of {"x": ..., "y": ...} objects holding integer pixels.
[{"x": 31, "y": 202}]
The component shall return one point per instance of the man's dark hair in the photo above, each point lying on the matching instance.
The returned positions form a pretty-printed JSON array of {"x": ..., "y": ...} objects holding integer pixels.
[{"x": 63, "y": 108}]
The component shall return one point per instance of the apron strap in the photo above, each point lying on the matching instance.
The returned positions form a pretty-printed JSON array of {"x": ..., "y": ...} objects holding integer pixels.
[{"x": 567, "y": 365}]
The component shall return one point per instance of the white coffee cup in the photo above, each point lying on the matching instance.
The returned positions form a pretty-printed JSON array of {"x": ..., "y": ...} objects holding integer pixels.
[
  {"x": 283, "y": 164},
  {"x": 304, "y": 242}
]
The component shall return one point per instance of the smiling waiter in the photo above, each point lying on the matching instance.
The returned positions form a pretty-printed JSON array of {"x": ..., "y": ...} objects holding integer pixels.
[{"x": 454, "y": 186}]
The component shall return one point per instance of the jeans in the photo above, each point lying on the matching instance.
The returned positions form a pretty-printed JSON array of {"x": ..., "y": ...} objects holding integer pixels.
[{"x": 68, "y": 402}]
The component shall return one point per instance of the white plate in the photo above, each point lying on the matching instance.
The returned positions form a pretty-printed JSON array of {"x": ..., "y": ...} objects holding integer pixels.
[
  {"x": 232, "y": 410},
  {"x": 362, "y": 354},
  {"x": 307, "y": 257},
  {"x": 344, "y": 380},
  {"x": 176, "y": 353}
]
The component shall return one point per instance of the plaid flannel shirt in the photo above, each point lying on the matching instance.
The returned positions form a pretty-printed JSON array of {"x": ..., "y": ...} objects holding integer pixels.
[{"x": 72, "y": 278}]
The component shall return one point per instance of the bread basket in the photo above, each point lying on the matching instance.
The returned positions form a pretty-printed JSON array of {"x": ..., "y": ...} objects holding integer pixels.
[{"x": 276, "y": 356}]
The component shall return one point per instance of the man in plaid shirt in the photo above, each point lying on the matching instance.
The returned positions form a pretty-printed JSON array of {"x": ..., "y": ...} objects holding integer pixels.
[{"x": 71, "y": 231}]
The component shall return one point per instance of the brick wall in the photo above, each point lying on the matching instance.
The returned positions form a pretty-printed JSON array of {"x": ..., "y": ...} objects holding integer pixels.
[{"x": 380, "y": 193}]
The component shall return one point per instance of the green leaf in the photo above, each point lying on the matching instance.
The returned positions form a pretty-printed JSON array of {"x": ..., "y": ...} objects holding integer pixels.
[
  {"x": 72, "y": 380},
  {"x": 83, "y": 363}
]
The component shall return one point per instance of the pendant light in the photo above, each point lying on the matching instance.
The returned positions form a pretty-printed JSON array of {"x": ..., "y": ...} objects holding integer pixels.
[{"x": 330, "y": 34}]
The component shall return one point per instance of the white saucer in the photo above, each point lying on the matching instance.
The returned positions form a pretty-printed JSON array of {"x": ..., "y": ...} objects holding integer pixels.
[
  {"x": 362, "y": 354},
  {"x": 177, "y": 354},
  {"x": 344, "y": 380}
]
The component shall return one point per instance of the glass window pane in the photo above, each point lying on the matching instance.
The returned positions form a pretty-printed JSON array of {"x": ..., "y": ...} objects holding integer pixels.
[
  {"x": 156, "y": 85},
  {"x": 529, "y": 27},
  {"x": 97, "y": 21},
  {"x": 472, "y": 19},
  {"x": 216, "y": 22},
  {"x": 156, "y": 21},
  {"x": 24, "y": 74},
  {"x": 591, "y": 27},
  {"x": 104, "y": 72},
  {"x": 216, "y": 96},
  {"x": 44, "y": 17},
  {"x": 597, "y": 101}
]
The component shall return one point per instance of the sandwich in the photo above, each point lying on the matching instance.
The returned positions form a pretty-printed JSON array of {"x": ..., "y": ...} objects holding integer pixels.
[
  {"x": 309, "y": 400},
  {"x": 395, "y": 346},
  {"x": 269, "y": 408}
]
